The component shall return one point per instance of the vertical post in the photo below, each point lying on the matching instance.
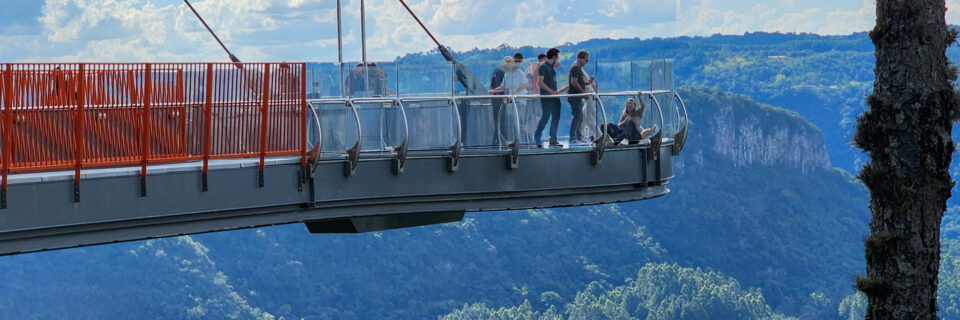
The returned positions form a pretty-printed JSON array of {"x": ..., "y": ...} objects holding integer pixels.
[
  {"x": 343, "y": 91},
  {"x": 303, "y": 116},
  {"x": 182, "y": 113},
  {"x": 263, "y": 120},
  {"x": 363, "y": 32},
  {"x": 7, "y": 123},
  {"x": 78, "y": 129},
  {"x": 303, "y": 126},
  {"x": 207, "y": 122},
  {"x": 145, "y": 129}
]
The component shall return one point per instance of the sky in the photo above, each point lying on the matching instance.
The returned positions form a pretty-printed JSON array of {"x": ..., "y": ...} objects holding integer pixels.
[{"x": 306, "y": 30}]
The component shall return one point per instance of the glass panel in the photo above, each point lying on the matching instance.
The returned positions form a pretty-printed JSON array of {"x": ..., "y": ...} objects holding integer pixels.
[
  {"x": 641, "y": 75},
  {"x": 338, "y": 125},
  {"x": 530, "y": 113},
  {"x": 382, "y": 125},
  {"x": 425, "y": 79},
  {"x": 323, "y": 80},
  {"x": 479, "y": 123},
  {"x": 433, "y": 124},
  {"x": 614, "y": 76},
  {"x": 375, "y": 79}
]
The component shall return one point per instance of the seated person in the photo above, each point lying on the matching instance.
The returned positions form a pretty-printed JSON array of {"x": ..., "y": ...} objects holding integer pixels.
[{"x": 630, "y": 127}]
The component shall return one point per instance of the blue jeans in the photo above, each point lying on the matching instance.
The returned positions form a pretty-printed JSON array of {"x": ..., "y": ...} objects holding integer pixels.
[
  {"x": 576, "y": 106},
  {"x": 551, "y": 109}
]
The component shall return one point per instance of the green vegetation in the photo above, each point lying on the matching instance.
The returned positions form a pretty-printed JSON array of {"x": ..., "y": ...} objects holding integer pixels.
[{"x": 659, "y": 291}]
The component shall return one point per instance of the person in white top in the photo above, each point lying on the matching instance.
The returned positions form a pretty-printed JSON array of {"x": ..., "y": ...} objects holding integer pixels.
[
  {"x": 589, "y": 125},
  {"x": 515, "y": 82}
]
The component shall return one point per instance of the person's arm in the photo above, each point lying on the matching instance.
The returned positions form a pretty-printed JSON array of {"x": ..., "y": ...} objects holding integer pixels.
[
  {"x": 623, "y": 120},
  {"x": 543, "y": 86},
  {"x": 575, "y": 80},
  {"x": 496, "y": 90}
]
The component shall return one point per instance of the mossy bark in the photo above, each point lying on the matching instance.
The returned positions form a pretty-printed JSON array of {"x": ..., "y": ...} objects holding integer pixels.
[{"x": 906, "y": 133}]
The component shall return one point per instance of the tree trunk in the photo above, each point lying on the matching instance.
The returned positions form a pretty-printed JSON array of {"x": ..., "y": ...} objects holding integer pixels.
[{"x": 906, "y": 133}]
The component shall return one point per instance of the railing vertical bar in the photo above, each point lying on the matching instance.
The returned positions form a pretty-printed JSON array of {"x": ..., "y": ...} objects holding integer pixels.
[
  {"x": 78, "y": 130},
  {"x": 263, "y": 119},
  {"x": 181, "y": 145},
  {"x": 7, "y": 124},
  {"x": 303, "y": 115},
  {"x": 145, "y": 135},
  {"x": 207, "y": 122}
]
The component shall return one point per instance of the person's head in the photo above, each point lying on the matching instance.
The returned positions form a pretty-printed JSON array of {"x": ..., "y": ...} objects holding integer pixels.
[
  {"x": 582, "y": 57},
  {"x": 553, "y": 54},
  {"x": 518, "y": 57},
  {"x": 507, "y": 63},
  {"x": 631, "y": 105},
  {"x": 541, "y": 57}
]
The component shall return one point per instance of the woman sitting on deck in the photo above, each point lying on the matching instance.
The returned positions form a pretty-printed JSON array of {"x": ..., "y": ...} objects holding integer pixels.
[{"x": 630, "y": 126}]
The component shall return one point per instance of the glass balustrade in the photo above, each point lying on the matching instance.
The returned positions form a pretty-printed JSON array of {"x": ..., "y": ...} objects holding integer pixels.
[{"x": 380, "y": 106}]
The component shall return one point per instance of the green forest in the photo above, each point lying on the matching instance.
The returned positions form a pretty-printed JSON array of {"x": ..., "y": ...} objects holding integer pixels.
[{"x": 737, "y": 238}]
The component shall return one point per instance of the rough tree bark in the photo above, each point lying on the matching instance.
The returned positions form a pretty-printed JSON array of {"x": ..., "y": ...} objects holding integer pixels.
[{"x": 906, "y": 133}]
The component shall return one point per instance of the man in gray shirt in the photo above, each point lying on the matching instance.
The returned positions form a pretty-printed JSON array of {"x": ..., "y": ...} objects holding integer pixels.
[{"x": 578, "y": 84}]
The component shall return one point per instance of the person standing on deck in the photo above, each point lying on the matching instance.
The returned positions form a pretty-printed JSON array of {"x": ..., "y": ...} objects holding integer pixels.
[
  {"x": 532, "y": 113},
  {"x": 578, "y": 84},
  {"x": 496, "y": 88},
  {"x": 547, "y": 81}
]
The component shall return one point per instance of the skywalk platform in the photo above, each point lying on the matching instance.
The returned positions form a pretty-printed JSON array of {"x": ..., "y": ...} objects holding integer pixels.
[{"x": 200, "y": 161}]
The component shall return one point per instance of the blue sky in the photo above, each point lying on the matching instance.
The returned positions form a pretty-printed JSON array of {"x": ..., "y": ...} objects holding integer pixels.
[{"x": 305, "y": 30}]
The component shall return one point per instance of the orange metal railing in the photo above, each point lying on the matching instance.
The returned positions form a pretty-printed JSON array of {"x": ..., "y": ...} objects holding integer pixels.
[{"x": 60, "y": 116}]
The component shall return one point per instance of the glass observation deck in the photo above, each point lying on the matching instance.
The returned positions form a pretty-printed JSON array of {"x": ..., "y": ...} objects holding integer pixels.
[
  {"x": 347, "y": 147},
  {"x": 399, "y": 108}
]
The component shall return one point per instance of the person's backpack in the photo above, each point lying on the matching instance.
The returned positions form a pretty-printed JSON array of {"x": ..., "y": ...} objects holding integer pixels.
[{"x": 497, "y": 80}]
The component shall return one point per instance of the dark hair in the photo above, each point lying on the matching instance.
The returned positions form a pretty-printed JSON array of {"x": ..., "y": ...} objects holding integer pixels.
[
  {"x": 518, "y": 55},
  {"x": 541, "y": 56},
  {"x": 582, "y": 54},
  {"x": 553, "y": 53}
]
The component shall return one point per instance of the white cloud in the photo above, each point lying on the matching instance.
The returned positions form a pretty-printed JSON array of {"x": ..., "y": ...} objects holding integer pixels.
[{"x": 292, "y": 30}]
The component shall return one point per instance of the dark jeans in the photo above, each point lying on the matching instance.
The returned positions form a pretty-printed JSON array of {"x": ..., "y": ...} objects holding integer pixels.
[
  {"x": 497, "y": 104},
  {"x": 576, "y": 106},
  {"x": 630, "y": 132},
  {"x": 551, "y": 108},
  {"x": 464, "y": 109}
]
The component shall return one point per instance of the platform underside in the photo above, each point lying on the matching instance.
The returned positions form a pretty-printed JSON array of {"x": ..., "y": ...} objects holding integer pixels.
[{"x": 43, "y": 216}]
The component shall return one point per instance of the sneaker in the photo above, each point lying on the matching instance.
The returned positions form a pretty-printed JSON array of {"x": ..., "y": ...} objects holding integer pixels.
[{"x": 556, "y": 145}]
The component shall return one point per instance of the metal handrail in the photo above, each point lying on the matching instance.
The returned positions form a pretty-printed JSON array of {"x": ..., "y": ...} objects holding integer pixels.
[
  {"x": 680, "y": 138},
  {"x": 457, "y": 148},
  {"x": 313, "y": 156},
  {"x": 657, "y": 139},
  {"x": 353, "y": 154},
  {"x": 600, "y": 146},
  {"x": 515, "y": 146},
  {"x": 401, "y": 150}
]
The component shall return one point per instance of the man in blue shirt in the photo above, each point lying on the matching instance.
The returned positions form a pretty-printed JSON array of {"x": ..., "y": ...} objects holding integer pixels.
[{"x": 547, "y": 80}]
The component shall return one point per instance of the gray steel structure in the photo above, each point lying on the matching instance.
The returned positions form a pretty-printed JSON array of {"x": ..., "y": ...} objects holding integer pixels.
[{"x": 355, "y": 192}]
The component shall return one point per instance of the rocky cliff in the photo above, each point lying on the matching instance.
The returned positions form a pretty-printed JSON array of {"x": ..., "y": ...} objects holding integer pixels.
[{"x": 748, "y": 133}]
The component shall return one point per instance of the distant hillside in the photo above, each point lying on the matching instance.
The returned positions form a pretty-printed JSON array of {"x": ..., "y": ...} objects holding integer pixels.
[
  {"x": 787, "y": 230},
  {"x": 758, "y": 224},
  {"x": 825, "y": 79}
]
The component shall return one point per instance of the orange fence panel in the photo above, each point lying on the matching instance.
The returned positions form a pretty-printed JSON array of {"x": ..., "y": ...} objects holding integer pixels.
[{"x": 58, "y": 115}]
